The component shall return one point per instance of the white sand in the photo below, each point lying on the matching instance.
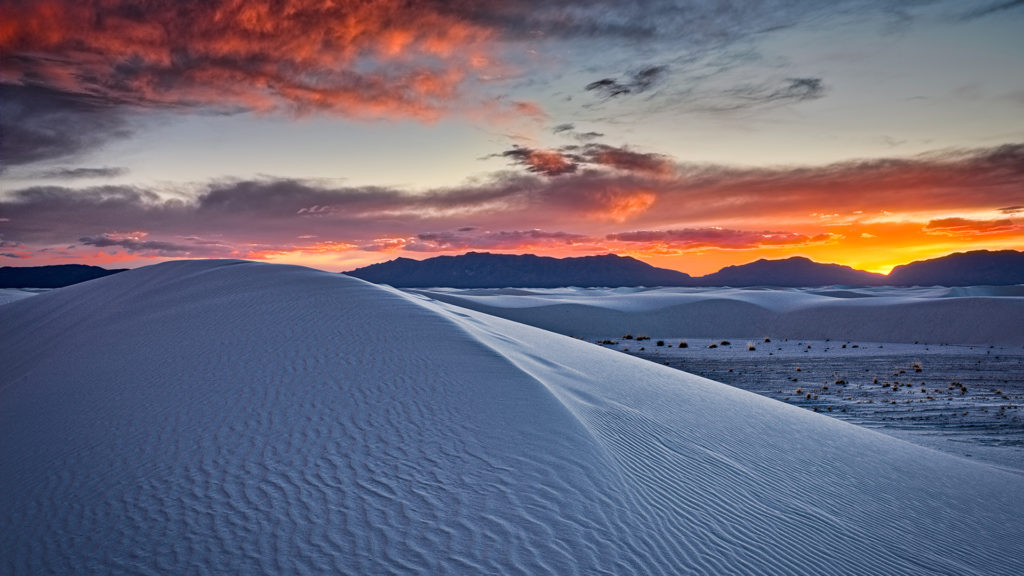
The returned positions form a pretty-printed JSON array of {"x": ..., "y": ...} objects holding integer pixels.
[
  {"x": 227, "y": 417},
  {"x": 973, "y": 315},
  {"x": 15, "y": 294}
]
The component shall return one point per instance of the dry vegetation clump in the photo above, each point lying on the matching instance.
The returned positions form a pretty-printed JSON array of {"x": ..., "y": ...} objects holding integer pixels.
[
  {"x": 684, "y": 344},
  {"x": 660, "y": 343}
]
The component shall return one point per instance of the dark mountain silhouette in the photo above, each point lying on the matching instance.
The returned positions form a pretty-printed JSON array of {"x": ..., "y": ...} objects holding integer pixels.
[
  {"x": 50, "y": 276},
  {"x": 977, "y": 268},
  {"x": 485, "y": 270},
  {"x": 792, "y": 272}
]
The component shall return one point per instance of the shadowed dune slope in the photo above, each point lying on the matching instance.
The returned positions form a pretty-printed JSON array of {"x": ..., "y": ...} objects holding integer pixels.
[{"x": 233, "y": 417}]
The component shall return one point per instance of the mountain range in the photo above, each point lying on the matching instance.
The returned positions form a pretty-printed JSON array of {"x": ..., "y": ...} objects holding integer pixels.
[{"x": 485, "y": 270}]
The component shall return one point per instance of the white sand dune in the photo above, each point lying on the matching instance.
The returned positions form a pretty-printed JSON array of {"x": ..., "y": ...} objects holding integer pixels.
[
  {"x": 15, "y": 294},
  {"x": 972, "y": 315},
  {"x": 228, "y": 417}
]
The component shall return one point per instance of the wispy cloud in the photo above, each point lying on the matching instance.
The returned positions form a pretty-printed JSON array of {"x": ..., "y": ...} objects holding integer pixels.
[
  {"x": 635, "y": 83},
  {"x": 967, "y": 226},
  {"x": 569, "y": 159},
  {"x": 82, "y": 173},
  {"x": 136, "y": 242},
  {"x": 688, "y": 238},
  {"x": 992, "y": 8}
]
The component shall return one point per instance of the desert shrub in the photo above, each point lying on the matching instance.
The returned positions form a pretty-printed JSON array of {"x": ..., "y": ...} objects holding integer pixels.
[
  {"x": 751, "y": 347},
  {"x": 660, "y": 343},
  {"x": 627, "y": 337},
  {"x": 643, "y": 338},
  {"x": 799, "y": 390},
  {"x": 713, "y": 345},
  {"x": 726, "y": 343},
  {"x": 767, "y": 340},
  {"x": 684, "y": 344}
]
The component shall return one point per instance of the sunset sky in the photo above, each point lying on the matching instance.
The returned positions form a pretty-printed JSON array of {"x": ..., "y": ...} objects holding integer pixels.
[{"x": 689, "y": 134}]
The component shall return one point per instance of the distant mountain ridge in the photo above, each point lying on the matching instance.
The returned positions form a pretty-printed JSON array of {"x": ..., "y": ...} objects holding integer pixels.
[
  {"x": 976, "y": 268},
  {"x": 485, "y": 270},
  {"x": 56, "y": 276},
  {"x": 795, "y": 272}
]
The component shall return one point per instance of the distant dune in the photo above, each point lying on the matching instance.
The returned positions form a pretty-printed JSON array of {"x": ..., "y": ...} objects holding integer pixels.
[
  {"x": 980, "y": 315},
  {"x": 231, "y": 417}
]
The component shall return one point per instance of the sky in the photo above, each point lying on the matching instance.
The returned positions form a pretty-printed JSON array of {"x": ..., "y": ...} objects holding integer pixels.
[{"x": 689, "y": 134}]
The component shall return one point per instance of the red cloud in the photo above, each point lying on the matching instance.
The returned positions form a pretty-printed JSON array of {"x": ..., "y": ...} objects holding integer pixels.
[
  {"x": 964, "y": 226},
  {"x": 354, "y": 58},
  {"x": 628, "y": 160}
]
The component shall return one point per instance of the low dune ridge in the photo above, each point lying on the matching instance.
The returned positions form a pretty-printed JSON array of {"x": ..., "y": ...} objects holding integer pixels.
[
  {"x": 235, "y": 417},
  {"x": 974, "y": 315}
]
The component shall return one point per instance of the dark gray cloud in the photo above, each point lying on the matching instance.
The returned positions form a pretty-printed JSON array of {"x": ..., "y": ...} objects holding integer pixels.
[
  {"x": 791, "y": 90},
  {"x": 635, "y": 83},
  {"x": 491, "y": 240},
  {"x": 136, "y": 243},
  {"x": 82, "y": 173},
  {"x": 546, "y": 162},
  {"x": 569, "y": 159},
  {"x": 716, "y": 237},
  {"x": 993, "y": 8},
  {"x": 39, "y": 123},
  {"x": 570, "y": 131}
]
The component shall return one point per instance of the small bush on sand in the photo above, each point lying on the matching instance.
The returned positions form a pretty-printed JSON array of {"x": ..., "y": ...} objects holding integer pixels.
[
  {"x": 713, "y": 346},
  {"x": 660, "y": 343},
  {"x": 751, "y": 347},
  {"x": 726, "y": 343},
  {"x": 643, "y": 338},
  {"x": 627, "y": 337},
  {"x": 684, "y": 344}
]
